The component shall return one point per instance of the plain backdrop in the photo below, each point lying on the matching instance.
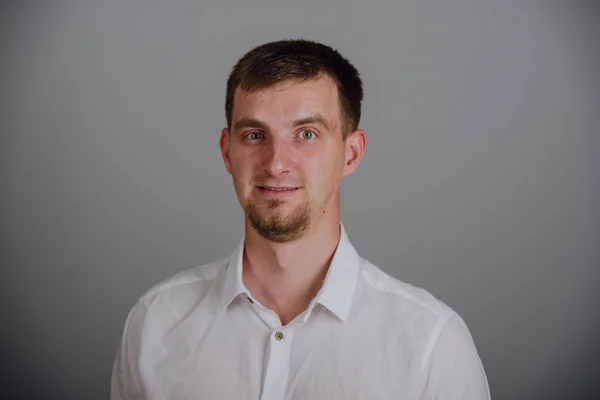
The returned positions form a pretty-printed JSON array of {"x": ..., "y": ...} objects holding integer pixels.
[{"x": 481, "y": 182}]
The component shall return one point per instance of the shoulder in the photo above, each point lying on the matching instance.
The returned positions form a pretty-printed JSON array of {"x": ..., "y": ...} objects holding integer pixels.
[
  {"x": 411, "y": 311},
  {"x": 403, "y": 293},
  {"x": 202, "y": 276},
  {"x": 438, "y": 332},
  {"x": 169, "y": 301}
]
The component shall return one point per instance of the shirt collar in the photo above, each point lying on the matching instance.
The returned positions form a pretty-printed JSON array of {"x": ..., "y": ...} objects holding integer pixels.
[
  {"x": 234, "y": 285},
  {"x": 337, "y": 291}
]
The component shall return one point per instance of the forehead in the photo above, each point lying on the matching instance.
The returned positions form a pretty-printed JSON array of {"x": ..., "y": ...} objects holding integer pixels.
[{"x": 289, "y": 100}]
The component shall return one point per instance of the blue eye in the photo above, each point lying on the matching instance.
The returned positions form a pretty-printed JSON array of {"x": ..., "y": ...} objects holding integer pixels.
[{"x": 308, "y": 135}]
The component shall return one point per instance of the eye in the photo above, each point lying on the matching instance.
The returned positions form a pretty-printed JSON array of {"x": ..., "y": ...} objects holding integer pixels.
[
  {"x": 308, "y": 135},
  {"x": 254, "y": 135}
]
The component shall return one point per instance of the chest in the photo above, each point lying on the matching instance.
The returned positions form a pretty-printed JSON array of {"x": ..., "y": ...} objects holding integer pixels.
[{"x": 286, "y": 364}]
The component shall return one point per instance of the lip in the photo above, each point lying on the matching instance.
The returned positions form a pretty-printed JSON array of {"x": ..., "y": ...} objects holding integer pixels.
[{"x": 278, "y": 190}]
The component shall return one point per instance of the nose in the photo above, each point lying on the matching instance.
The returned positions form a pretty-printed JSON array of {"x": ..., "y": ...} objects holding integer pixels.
[{"x": 278, "y": 157}]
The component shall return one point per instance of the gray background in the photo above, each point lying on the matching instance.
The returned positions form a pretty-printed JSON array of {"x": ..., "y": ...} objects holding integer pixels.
[{"x": 481, "y": 182}]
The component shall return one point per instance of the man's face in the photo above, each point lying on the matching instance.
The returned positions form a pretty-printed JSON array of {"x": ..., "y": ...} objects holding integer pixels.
[{"x": 287, "y": 156}]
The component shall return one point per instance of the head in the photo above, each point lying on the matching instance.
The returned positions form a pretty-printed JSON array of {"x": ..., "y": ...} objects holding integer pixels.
[{"x": 293, "y": 108}]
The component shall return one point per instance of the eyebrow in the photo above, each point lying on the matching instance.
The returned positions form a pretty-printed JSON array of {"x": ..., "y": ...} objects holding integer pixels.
[
  {"x": 247, "y": 122},
  {"x": 316, "y": 118}
]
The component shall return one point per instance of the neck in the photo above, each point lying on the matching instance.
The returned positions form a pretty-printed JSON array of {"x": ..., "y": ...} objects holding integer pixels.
[{"x": 285, "y": 277}]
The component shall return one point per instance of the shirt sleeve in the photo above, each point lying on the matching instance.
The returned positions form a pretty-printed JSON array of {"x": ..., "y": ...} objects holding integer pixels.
[
  {"x": 126, "y": 381},
  {"x": 454, "y": 370}
]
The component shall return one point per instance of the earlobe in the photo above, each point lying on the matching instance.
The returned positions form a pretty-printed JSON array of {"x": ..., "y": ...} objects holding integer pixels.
[{"x": 224, "y": 145}]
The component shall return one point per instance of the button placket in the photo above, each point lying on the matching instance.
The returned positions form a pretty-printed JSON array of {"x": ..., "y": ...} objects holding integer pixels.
[{"x": 276, "y": 375}]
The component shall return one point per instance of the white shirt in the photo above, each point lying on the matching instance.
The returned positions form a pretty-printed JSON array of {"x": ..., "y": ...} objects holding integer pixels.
[{"x": 366, "y": 335}]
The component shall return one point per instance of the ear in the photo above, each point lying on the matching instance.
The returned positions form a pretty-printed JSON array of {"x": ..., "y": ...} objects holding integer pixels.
[
  {"x": 224, "y": 145},
  {"x": 356, "y": 145}
]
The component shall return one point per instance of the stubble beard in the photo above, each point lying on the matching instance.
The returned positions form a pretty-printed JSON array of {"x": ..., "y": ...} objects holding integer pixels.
[{"x": 273, "y": 226}]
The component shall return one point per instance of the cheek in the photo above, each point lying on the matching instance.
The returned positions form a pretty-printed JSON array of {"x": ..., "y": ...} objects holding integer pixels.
[
  {"x": 249, "y": 157},
  {"x": 242, "y": 163},
  {"x": 324, "y": 170}
]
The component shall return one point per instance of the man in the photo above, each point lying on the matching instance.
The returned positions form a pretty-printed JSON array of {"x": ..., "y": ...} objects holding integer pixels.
[{"x": 294, "y": 312}]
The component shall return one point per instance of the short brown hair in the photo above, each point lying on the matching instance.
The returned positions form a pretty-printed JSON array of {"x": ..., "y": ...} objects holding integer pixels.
[{"x": 300, "y": 60}]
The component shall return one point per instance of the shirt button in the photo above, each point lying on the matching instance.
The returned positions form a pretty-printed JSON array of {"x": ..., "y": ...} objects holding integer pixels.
[{"x": 279, "y": 336}]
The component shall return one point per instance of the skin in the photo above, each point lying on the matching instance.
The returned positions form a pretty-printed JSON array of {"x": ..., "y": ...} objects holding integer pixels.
[{"x": 289, "y": 135}]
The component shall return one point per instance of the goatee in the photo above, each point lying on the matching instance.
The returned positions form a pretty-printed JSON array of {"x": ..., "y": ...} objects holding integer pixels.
[{"x": 273, "y": 226}]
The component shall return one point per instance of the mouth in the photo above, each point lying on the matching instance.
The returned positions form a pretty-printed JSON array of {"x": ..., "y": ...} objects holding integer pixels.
[{"x": 278, "y": 190}]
